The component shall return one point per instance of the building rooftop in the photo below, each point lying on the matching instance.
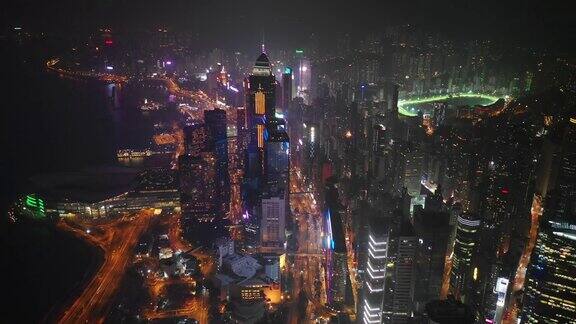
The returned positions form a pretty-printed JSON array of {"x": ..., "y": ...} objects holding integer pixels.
[
  {"x": 156, "y": 180},
  {"x": 248, "y": 265},
  {"x": 262, "y": 66},
  {"x": 406, "y": 229},
  {"x": 262, "y": 60},
  {"x": 89, "y": 185},
  {"x": 432, "y": 219}
]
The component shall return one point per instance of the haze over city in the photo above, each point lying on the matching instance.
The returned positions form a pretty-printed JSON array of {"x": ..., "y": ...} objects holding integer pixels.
[{"x": 288, "y": 162}]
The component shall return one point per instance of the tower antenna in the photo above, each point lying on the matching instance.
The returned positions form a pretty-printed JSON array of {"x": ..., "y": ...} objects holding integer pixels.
[{"x": 263, "y": 42}]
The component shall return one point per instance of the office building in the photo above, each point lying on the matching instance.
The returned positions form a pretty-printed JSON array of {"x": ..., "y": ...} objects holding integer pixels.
[
  {"x": 260, "y": 88},
  {"x": 198, "y": 186},
  {"x": 277, "y": 156},
  {"x": 260, "y": 91},
  {"x": 335, "y": 244},
  {"x": 464, "y": 248},
  {"x": 433, "y": 231},
  {"x": 275, "y": 203},
  {"x": 375, "y": 278},
  {"x": 336, "y": 260},
  {"x": 404, "y": 275},
  {"x": 550, "y": 285},
  {"x": 287, "y": 88},
  {"x": 304, "y": 80},
  {"x": 338, "y": 278},
  {"x": 413, "y": 169},
  {"x": 196, "y": 139},
  {"x": 241, "y": 135},
  {"x": 216, "y": 128},
  {"x": 120, "y": 191},
  {"x": 273, "y": 224}
]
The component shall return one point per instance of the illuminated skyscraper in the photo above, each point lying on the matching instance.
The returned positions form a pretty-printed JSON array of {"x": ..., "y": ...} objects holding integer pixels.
[
  {"x": 197, "y": 173},
  {"x": 337, "y": 269},
  {"x": 375, "y": 277},
  {"x": 303, "y": 78},
  {"x": 197, "y": 187},
  {"x": 550, "y": 281},
  {"x": 338, "y": 277},
  {"x": 404, "y": 276},
  {"x": 216, "y": 126},
  {"x": 273, "y": 224},
  {"x": 260, "y": 89},
  {"x": 195, "y": 139},
  {"x": 263, "y": 191},
  {"x": 550, "y": 284},
  {"x": 275, "y": 203},
  {"x": 277, "y": 155},
  {"x": 336, "y": 258},
  {"x": 287, "y": 95},
  {"x": 413, "y": 169},
  {"x": 464, "y": 247},
  {"x": 495, "y": 294},
  {"x": 241, "y": 132}
]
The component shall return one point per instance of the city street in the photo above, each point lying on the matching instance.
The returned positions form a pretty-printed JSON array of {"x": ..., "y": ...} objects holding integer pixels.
[
  {"x": 511, "y": 314},
  {"x": 117, "y": 240},
  {"x": 193, "y": 305},
  {"x": 308, "y": 260}
]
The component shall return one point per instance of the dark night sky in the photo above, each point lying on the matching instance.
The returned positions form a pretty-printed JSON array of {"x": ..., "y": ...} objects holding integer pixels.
[{"x": 546, "y": 24}]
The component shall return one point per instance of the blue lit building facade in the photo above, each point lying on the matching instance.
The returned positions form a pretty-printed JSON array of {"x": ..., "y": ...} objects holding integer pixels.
[
  {"x": 275, "y": 202},
  {"x": 277, "y": 157},
  {"x": 335, "y": 247}
]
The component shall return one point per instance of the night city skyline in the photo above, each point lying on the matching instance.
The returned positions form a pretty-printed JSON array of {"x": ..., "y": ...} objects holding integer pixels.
[{"x": 288, "y": 162}]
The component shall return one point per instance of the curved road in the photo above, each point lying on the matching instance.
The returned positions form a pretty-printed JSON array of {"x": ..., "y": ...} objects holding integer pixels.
[{"x": 117, "y": 241}]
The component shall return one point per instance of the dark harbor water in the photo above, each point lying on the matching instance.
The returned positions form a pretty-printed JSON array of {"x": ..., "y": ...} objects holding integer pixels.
[
  {"x": 50, "y": 124},
  {"x": 44, "y": 268}
]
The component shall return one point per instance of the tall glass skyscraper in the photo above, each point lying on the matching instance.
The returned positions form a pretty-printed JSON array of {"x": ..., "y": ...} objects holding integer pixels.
[
  {"x": 287, "y": 81},
  {"x": 277, "y": 155},
  {"x": 216, "y": 126},
  {"x": 433, "y": 232},
  {"x": 336, "y": 253},
  {"x": 197, "y": 186},
  {"x": 551, "y": 283},
  {"x": 464, "y": 247},
  {"x": 275, "y": 196},
  {"x": 404, "y": 276},
  {"x": 260, "y": 88},
  {"x": 551, "y": 276}
]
